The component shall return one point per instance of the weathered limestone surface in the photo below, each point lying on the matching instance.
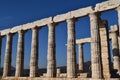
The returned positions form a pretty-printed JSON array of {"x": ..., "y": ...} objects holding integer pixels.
[
  {"x": 105, "y": 54},
  {"x": 95, "y": 46},
  {"x": 43, "y": 22},
  {"x": 37, "y": 78},
  {"x": 71, "y": 54},
  {"x": 81, "y": 58},
  {"x": 85, "y": 40},
  {"x": 7, "y": 58},
  {"x": 34, "y": 54},
  {"x": 107, "y": 5},
  {"x": 15, "y": 29},
  {"x": 5, "y": 32},
  {"x": 115, "y": 49},
  {"x": 51, "y": 56},
  {"x": 76, "y": 13},
  {"x": 20, "y": 55}
]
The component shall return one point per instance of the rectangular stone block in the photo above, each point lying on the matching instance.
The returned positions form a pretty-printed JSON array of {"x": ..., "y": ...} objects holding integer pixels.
[
  {"x": 107, "y": 5},
  {"x": 78, "y": 41},
  {"x": 82, "y": 12},
  {"x": 4, "y": 32},
  {"x": 15, "y": 29},
  {"x": 62, "y": 17},
  {"x": 43, "y": 22},
  {"x": 28, "y": 26}
]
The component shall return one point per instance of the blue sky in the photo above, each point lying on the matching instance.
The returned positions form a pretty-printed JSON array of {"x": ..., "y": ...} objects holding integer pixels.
[{"x": 17, "y": 12}]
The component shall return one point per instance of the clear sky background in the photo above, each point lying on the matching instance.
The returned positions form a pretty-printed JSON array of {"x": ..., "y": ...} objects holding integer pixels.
[{"x": 17, "y": 12}]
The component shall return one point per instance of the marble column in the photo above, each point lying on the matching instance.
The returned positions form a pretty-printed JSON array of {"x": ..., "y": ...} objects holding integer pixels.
[
  {"x": 105, "y": 51},
  {"x": 51, "y": 56},
  {"x": 95, "y": 46},
  {"x": 115, "y": 50},
  {"x": 81, "y": 58},
  {"x": 34, "y": 53},
  {"x": 8, "y": 56},
  {"x": 20, "y": 55},
  {"x": 71, "y": 53}
]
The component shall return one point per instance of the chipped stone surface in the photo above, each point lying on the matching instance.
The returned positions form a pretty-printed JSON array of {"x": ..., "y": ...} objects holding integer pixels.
[
  {"x": 4, "y": 32},
  {"x": 107, "y": 5},
  {"x": 28, "y": 26},
  {"x": 43, "y": 22},
  {"x": 82, "y": 12},
  {"x": 15, "y": 29},
  {"x": 62, "y": 17},
  {"x": 85, "y": 40}
]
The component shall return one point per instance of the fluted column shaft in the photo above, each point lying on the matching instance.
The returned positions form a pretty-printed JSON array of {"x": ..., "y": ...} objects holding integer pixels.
[
  {"x": 34, "y": 54},
  {"x": 81, "y": 58},
  {"x": 105, "y": 51},
  {"x": 8, "y": 56},
  {"x": 51, "y": 56},
  {"x": 20, "y": 55},
  {"x": 95, "y": 46},
  {"x": 115, "y": 50},
  {"x": 71, "y": 54}
]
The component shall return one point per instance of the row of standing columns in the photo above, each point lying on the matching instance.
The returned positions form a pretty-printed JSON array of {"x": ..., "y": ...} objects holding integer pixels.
[{"x": 71, "y": 54}]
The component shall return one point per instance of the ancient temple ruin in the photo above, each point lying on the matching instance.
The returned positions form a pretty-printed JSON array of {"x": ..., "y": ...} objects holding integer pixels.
[{"x": 100, "y": 53}]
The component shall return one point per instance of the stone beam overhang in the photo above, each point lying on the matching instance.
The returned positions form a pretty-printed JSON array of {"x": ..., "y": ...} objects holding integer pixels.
[
  {"x": 73, "y": 14},
  {"x": 100, "y": 7},
  {"x": 107, "y": 5}
]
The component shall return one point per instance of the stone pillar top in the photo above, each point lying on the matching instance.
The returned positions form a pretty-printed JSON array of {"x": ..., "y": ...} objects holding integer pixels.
[
  {"x": 71, "y": 20},
  {"x": 52, "y": 24},
  {"x": 21, "y": 31},
  {"x": 113, "y": 28},
  {"x": 94, "y": 13}
]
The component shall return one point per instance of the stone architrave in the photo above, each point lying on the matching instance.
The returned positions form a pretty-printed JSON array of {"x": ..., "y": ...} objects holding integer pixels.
[
  {"x": 51, "y": 56},
  {"x": 71, "y": 54},
  {"x": 8, "y": 56},
  {"x": 105, "y": 54},
  {"x": 81, "y": 58},
  {"x": 34, "y": 53},
  {"x": 20, "y": 55},
  {"x": 95, "y": 46}
]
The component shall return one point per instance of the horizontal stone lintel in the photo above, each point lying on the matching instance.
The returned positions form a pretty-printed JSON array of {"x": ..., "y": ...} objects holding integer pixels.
[
  {"x": 85, "y": 40},
  {"x": 73, "y": 14},
  {"x": 107, "y": 5}
]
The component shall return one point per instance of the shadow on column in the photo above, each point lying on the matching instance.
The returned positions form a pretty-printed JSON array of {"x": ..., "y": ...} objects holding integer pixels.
[{"x": 115, "y": 72}]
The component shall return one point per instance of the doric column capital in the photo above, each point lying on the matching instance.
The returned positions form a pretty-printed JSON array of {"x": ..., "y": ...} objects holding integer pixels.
[
  {"x": 35, "y": 28},
  {"x": 51, "y": 24},
  {"x": 21, "y": 31},
  {"x": 71, "y": 20},
  {"x": 94, "y": 14}
]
